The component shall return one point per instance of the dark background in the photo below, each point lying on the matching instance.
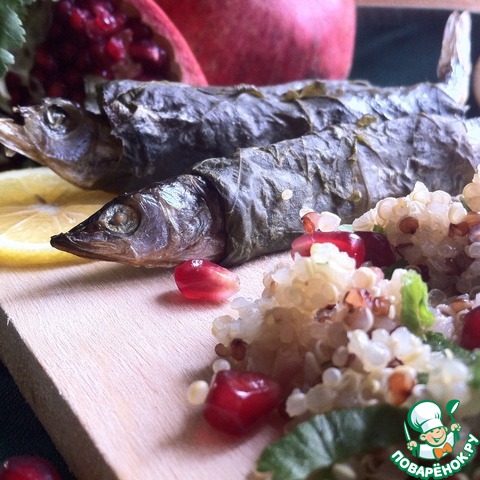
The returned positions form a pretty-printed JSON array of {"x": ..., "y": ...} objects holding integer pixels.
[{"x": 394, "y": 47}]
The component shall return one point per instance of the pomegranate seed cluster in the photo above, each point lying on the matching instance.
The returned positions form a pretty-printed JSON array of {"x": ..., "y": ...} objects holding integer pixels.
[{"x": 89, "y": 37}]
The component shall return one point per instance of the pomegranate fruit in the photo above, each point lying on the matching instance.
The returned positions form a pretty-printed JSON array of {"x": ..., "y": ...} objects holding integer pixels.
[
  {"x": 25, "y": 467},
  {"x": 267, "y": 42},
  {"x": 378, "y": 249},
  {"x": 204, "y": 280},
  {"x": 131, "y": 39},
  {"x": 347, "y": 242},
  {"x": 244, "y": 41},
  {"x": 238, "y": 400},
  {"x": 470, "y": 338}
]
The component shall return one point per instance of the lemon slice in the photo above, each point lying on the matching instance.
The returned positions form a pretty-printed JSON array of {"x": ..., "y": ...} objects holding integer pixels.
[{"x": 35, "y": 203}]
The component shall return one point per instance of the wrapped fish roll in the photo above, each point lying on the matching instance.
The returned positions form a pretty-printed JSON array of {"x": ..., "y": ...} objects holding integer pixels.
[
  {"x": 150, "y": 131},
  {"x": 232, "y": 209}
]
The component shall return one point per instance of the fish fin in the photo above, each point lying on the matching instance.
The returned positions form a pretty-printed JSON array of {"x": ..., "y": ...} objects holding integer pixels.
[{"x": 455, "y": 64}]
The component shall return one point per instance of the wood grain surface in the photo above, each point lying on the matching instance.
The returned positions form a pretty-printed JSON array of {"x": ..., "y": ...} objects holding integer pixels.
[{"x": 104, "y": 354}]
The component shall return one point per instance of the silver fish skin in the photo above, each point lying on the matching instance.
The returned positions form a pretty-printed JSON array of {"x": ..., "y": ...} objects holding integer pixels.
[
  {"x": 164, "y": 224},
  {"x": 68, "y": 139},
  {"x": 232, "y": 209}
]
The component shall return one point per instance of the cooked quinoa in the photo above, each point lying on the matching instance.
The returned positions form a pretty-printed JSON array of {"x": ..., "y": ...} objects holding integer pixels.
[{"x": 334, "y": 335}]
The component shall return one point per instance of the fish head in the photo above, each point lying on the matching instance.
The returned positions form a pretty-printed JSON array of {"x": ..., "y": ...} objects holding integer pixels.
[
  {"x": 61, "y": 135},
  {"x": 110, "y": 234},
  {"x": 158, "y": 226}
]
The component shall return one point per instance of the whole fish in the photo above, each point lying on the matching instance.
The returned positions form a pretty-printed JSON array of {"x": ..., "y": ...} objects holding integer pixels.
[
  {"x": 150, "y": 131},
  {"x": 232, "y": 209}
]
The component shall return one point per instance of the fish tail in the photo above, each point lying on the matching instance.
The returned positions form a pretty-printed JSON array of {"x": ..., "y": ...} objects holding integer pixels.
[{"x": 454, "y": 67}]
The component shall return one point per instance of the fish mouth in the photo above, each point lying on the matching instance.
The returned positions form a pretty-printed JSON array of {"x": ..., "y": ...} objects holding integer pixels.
[
  {"x": 13, "y": 137},
  {"x": 91, "y": 249}
]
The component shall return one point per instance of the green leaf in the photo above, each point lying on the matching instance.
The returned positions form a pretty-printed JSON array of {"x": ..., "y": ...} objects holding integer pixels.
[
  {"x": 378, "y": 229},
  {"x": 416, "y": 315},
  {"x": 314, "y": 446},
  {"x": 12, "y": 33},
  {"x": 388, "y": 271},
  {"x": 471, "y": 358}
]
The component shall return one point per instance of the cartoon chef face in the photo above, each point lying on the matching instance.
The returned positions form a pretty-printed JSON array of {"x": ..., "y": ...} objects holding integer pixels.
[
  {"x": 435, "y": 437},
  {"x": 426, "y": 417}
]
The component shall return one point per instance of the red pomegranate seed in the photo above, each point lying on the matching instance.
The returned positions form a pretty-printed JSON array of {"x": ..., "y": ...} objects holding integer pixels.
[
  {"x": 204, "y": 280},
  {"x": 115, "y": 47},
  {"x": 147, "y": 51},
  {"x": 104, "y": 22},
  {"x": 139, "y": 30},
  {"x": 378, "y": 249},
  {"x": 78, "y": 19},
  {"x": 238, "y": 400},
  {"x": 64, "y": 10},
  {"x": 27, "y": 467},
  {"x": 470, "y": 338},
  {"x": 347, "y": 242}
]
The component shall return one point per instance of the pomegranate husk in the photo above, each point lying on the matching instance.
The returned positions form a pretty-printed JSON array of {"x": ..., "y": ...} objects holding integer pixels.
[
  {"x": 260, "y": 42},
  {"x": 184, "y": 65}
]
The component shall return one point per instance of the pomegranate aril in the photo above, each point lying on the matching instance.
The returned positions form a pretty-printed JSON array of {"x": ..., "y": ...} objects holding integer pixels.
[
  {"x": 204, "y": 280},
  {"x": 79, "y": 19},
  {"x": 347, "y": 242},
  {"x": 140, "y": 31},
  {"x": 104, "y": 22},
  {"x": 27, "y": 467},
  {"x": 99, "y": 54},
  {"x": 63, "y": 11},
  {"x": 147, "y": 51},
  {"x": 378, "y": 249},
  {"x": 238, "y": 400},
  {"x": 115, "y": 47},
  {"x": 470, "y": 338}
]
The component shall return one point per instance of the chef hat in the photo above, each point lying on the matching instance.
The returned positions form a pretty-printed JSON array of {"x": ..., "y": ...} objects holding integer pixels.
[{"x": 425, "y": 416}]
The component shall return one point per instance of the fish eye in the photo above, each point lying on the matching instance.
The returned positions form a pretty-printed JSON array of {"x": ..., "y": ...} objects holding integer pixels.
[
  {"x": 120, "y": 218},
  {"x": 56, "y": 118}
]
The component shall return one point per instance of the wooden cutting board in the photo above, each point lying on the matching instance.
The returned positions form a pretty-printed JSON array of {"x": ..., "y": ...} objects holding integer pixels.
[{"x": 104, "y": 354}]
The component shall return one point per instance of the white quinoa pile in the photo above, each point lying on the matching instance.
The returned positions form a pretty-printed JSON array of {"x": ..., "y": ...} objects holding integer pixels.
[
  {"x": 334, "y": 332},
  {"x": 334, "y": 335}
]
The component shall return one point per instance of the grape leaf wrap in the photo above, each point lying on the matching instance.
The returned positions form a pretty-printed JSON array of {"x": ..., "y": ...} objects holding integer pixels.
[
  {"x": 344, "y": 169},
  {"x": 166, "y": 128}
]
